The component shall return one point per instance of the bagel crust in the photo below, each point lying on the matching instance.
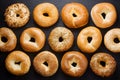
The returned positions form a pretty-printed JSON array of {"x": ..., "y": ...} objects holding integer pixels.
[{"x": 104, "y": 15}]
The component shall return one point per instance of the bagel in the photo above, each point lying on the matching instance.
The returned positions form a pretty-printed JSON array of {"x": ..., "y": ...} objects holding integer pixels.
[
  {"x": 104, "y": 15},
  {"x": 74, "y": 63},
  {"x": 103, "y": 64},
  {"x": 45, "y": 63},
  {"x": 74, "y": 15},
  {"x": 32, "y": 39},
  {"x": 45, "y": 14},
  {"x": 8, "y": 40},
  {"x": 17, "y": 15},
  {"x": 111, "y": 40},
  {"x": 89, "y": 39},
  {"x": 60, "y": 39},
  {"x": 17, "y": 63}
]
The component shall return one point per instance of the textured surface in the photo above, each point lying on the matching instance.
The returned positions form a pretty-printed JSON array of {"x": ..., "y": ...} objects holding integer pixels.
[{"x": 32, "y": 75}]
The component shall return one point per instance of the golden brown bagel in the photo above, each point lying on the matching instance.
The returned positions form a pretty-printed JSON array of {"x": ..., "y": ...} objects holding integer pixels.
[
  {"x": 74, "y": 15},
  {"x": 45, "y": 63},
  {"x": 45, "y": 14},
  {"x": 74, "y": 63},
  {"x": 18, "y": 63},
  {"x": 32, "y": 39},
  {"x": 89, "y": 39},
  {"x": 104, "y": 15},
  {"x": 8, "y": 39}
]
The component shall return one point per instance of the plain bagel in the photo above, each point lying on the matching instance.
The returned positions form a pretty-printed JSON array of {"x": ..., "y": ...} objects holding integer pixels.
[
  {"x": 74, "y": 63},
  {"x": 45, "y": 63},
  {"x": 104, "y": 15},
  {"x": 8, "y": 39},
  {"x": 89, "y": 39},
  {"x": 32, "y": 39},
  {"x": 111, "y": 40},
  {"x": 74, "y": 15},
  {"x": 45, "y": 14},
  {"x": 18, "y": 63}
]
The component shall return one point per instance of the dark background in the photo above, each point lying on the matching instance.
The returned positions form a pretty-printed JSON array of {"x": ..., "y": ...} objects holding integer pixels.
[{"x": 32, "y": 75}]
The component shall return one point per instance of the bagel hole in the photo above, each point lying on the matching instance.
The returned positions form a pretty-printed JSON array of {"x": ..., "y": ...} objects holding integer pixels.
[
  {"x": 89, "y": 39},
  {"x": 46, "y": 14},
  {"x": 17, "y": 62},
  {"x": 74, "y": 15},
  {"x": 45, "y": 63},
  {"x": 116, "y": 40},
  {"x": 103, "y": 63},
  {"x": 103, "y": 15},
  {"x": 17, "y": 15},
  {"x": 32, "y": 39},
  {"x": 4, "y": 39},
  {"x": 74, "y": 64},
  {"x": 60, "y": 39}
]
